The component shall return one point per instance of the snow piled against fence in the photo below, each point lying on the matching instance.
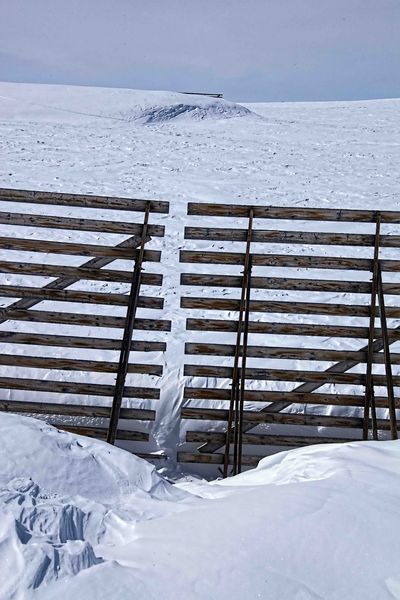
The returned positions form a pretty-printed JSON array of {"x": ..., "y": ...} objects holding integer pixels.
[
  {"x": 60, "y": 495},
  {"x": 82, "y": 520},
  {"x": 63, "y": 103}
]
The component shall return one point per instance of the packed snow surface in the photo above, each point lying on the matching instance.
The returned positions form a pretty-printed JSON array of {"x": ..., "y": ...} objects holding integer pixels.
[{"x": 79, "y": 519}]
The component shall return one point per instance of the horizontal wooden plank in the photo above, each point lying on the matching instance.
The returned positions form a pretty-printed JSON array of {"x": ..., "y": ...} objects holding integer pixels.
[
  {"x": 77, "y": 273},
  {"x": 68, "y": 364},
  {"x": 150, "y": 456},
  {"x": 100, "y": 432},
  {"x": 296, "y": 308},
  {"x": 209, "y": 393},
  {"x": 285, "y": 375},
  {"x": 317, "y": 354},
  {"x": 69, "y": 223},
  {"x": 303, "y": 329},
  {"x": 63, "y": 387},
  {"x": 262, "y": 417},
  {"x": 286, "y": 260},
  {"x": 75, "y": 249},
  {"x": 16, "y": 291},
  {"x": 75, "y": 410},
  {"x": 314, "y": 420},
  {"x": 290, "y": 237},
  {"x": 73, "y": 341},
  {"x": 216, "y": 459},
  {"x": 82, "y": 200},
  {"x": 64, "y": 318},
  {"x": 284, "y": 283},
  {"x": 254, "y": 439},
  {"x": 208, "y": 209}
]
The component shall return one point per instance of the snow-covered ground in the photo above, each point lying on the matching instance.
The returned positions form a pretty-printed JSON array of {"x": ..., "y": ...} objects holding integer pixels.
[
  {"x": 79, "y": 519},
  {"x": 181, "y": 148}
]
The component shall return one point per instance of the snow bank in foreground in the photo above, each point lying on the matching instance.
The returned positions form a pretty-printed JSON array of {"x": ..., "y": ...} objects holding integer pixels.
[
  {"x": 85, "y": 521},
  {"x": 60, "y": 495},
  {"x": 60, "y": 103}
]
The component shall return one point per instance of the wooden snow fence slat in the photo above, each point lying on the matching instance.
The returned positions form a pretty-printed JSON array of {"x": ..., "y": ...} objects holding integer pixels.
[
  {"x": 298, "y": 308},
  {"x": 14, "y": 291},
  {"x": 77, "y": 273},
  {"x": 206, "y": 209},
  {"x": 82, "y": 201},
  {"x": 312, "y": 330},
  {"x": 319, "y": 329},
  {"x": 279, "y": 352},
  {"x": 68, "y": 223},
  {"x": 289, "y": 237},
  {"x": 65, "y": 318},
  {"x": 41, "y": 236},
  {"x": 68, "y": 387},
  {"x": 74, "y": 410},
  {"x": 283, "y": 260},
  {"x": 286, "y": 283},
  {"x": 75, "y": 249},
  {"x": 262, "y": 396},
  {"x": 321, "y": 377}
]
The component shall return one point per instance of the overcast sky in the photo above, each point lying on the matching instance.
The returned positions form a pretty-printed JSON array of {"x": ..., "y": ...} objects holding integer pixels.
[{"x": 247, "y": 49}]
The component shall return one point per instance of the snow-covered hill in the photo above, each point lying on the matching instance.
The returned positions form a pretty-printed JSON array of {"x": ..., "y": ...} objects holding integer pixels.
[
  {"x": 81, "y": 520},
  {"x": 61, "y": 104}
]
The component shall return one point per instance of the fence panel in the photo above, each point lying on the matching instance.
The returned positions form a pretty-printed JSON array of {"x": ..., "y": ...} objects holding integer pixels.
[
  {"x": 67, "y": 267},
  {"x": 298, "y": 370}
]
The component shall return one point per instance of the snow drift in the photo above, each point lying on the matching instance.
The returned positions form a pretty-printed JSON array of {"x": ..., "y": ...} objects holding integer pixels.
[
  {"x": 81, "y": 520},
  {"x": 60, "y": 104},
  {"x": 60, "y": 495}
]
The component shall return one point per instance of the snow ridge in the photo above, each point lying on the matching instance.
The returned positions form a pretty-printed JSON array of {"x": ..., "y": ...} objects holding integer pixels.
[{"x": 58, "y": 103}]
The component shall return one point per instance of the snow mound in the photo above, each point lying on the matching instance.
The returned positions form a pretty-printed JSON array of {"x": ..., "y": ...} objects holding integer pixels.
[
  {"x": 60, "y": 495},
  {"x": 60, "y": 104},
  {"x": 308, "y": 524},
  {"x": 80, "y": 519}
]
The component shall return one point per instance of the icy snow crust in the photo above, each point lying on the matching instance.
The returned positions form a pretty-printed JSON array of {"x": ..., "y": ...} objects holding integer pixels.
[{"x": 81, "y": 520}]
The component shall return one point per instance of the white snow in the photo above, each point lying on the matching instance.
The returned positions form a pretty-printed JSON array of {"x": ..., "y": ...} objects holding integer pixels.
[
  {"x": 74, "y": 104},
  {"x": 61, "y": 495},
  {"x": 82, "y": 520},
  {"x": 336, "y": 154}
]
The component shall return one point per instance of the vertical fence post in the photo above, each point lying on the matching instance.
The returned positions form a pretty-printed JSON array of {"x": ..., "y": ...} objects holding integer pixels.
[
  {"x": 369, "y": 384},
  {"x": 243, "y": 371},
  {"x": 386, "y": 352},
  {"x": 234, "y": 407},
  {"x": 127, "y": 337}
]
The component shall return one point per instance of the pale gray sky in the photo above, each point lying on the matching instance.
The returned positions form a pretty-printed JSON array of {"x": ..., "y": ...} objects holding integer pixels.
[{"x": 247, "y": 49}]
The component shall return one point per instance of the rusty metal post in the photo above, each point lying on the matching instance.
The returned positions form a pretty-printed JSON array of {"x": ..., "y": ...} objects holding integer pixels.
[
  {"x": 233, "y": 416},
  {"x": 369, "y": 386},
  {"x": 386, "y": 352},
  {"x": 127, "y": 337}
]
